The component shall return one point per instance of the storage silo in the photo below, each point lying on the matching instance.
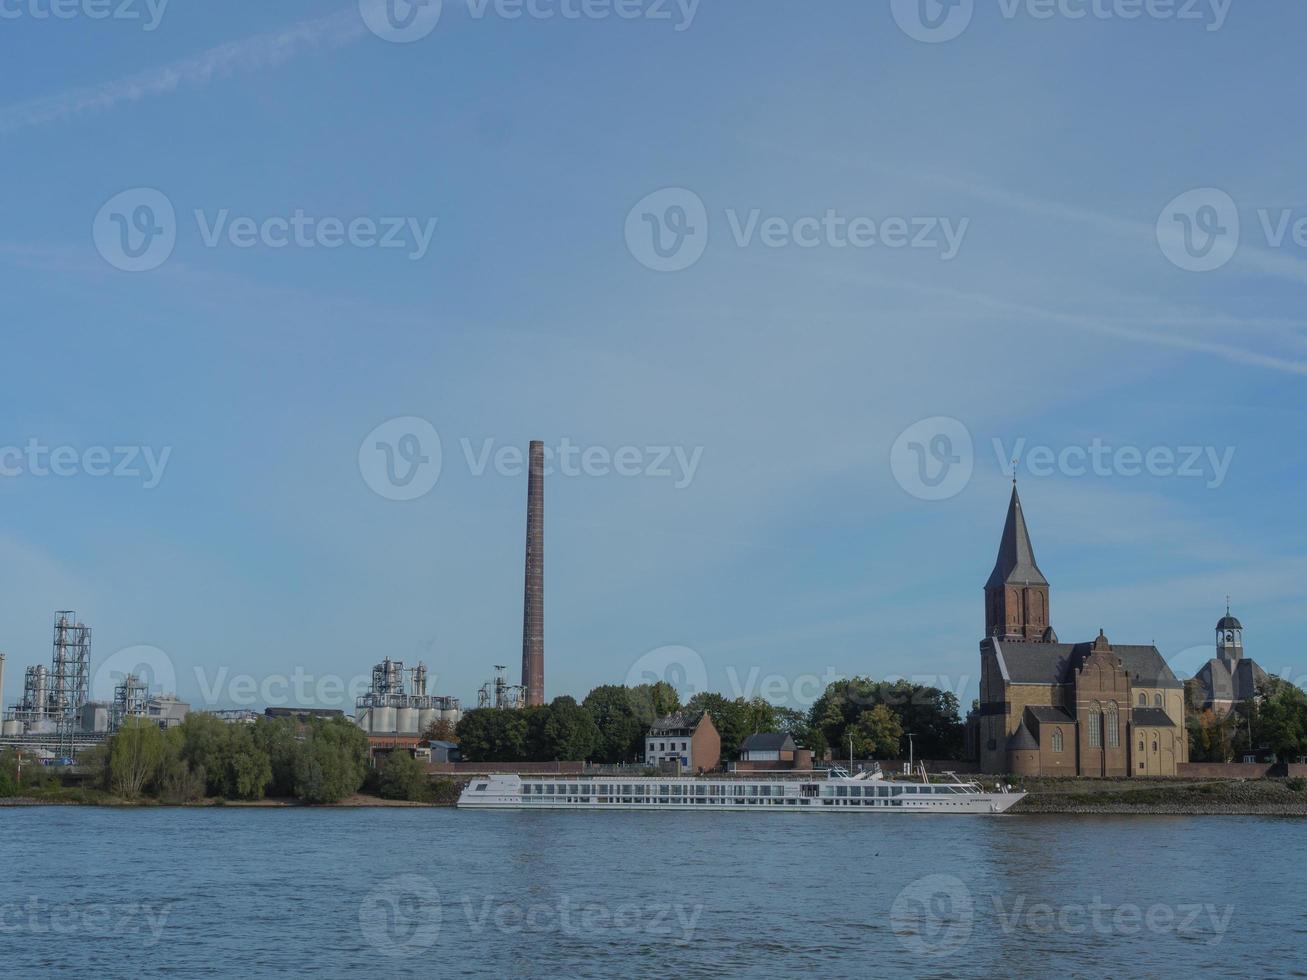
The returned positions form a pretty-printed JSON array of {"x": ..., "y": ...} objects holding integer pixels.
[
  {"x": 427, "y": 717},
  {"x": 406, "y": 721},
  {"x": 383, "y": 720}
]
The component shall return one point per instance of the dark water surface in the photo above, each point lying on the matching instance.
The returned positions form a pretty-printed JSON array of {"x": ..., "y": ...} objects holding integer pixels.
[{"x": 432, "y": 893}]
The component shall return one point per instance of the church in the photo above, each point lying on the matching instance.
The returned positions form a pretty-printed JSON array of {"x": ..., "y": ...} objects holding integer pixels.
[{"x": 1049, "y": 708}]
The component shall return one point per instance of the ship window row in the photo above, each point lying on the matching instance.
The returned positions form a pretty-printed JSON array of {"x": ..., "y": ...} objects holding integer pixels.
[{"x": 717, "y": 792}]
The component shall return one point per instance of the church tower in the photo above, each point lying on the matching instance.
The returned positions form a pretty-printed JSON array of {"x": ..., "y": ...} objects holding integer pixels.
[
  {"x": 1016, "y": 595},
  {"x": 1229, "y": 636}
]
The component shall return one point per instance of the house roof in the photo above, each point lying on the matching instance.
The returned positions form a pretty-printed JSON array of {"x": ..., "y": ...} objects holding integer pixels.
[
  {"x": 1230, "y": 680},
  {"x": 1152, "y": 717},
  {"x": 680, "y": 721},
  {"x": 1024, "y": 662},
  {"x": 1016, "y": 555},
  {"x": 767, "y": 742}
]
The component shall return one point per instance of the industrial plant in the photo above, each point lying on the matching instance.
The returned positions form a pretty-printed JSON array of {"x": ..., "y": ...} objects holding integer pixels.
[
  {"x": 396, "y": 708},
  {"x": 56, "y": 714}
]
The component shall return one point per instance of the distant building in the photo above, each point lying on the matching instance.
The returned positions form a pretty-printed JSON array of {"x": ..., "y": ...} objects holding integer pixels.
[
  {"x": 1076, "y": 709},
  {"x": 303, "y": 714},
  {"x": 167, "y": 710},
  {"x": 687, "y": 738},
  {"x": 768, "y": 747},
  {"x": 1229, "y": 678}
]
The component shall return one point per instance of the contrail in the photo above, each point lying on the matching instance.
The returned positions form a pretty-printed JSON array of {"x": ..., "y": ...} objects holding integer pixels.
[{"x": 248, "y": 54}]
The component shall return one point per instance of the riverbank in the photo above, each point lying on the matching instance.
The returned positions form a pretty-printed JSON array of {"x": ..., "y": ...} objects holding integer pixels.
[
  {"x": 95, "y": 798},
  {"x": 1261, "y": 797}
]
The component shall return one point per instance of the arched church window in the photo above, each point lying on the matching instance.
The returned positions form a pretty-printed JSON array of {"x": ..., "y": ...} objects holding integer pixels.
[
  {"x": 1095, "y": 728},
  {"x": 1057, "y": 740},
  {"x": 1154, "y": 745},
  {"x": 1143, "y": 700},
  {"x": 1113, "y": 727},
  {"x": 1141, "y": 745},
  {"x": 1157, "y": 700}
]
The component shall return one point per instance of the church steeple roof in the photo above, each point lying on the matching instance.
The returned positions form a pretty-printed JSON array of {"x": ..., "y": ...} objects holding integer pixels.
[{"x": 1016, "y": 556}]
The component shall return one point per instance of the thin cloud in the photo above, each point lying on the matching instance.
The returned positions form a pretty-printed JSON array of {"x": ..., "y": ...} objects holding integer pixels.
[{"x": 246, "y": 55}]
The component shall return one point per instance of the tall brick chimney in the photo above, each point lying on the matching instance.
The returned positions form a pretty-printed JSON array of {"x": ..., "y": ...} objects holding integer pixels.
[{"x": 533, "y": 612}]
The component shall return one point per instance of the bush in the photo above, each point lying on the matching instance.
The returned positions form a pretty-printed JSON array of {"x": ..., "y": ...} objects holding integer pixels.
[
  {"x": 1297, "y": 784},
  {"x": 402, "y": 778}
]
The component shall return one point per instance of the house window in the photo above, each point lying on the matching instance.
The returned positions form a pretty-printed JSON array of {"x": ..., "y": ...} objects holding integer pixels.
[
  {"x": 1143, "y": 700},
  {"x": 1113, "y": 727},
  {"x": 1095, "y": 728},
  {"x": 1057, "y": 740},
  {"x": 1157, "y": 700}
]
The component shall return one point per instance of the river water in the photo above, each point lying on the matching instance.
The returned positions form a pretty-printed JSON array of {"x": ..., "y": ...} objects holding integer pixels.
[{"x": 432, "y": 893}]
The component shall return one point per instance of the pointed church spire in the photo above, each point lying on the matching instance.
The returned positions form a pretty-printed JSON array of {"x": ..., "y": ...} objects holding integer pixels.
[{"x": 1016, "y": 555}]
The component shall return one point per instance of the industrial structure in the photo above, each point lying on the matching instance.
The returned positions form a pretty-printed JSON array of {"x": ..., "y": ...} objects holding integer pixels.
[
  {"x": 533, "y": 612},
  {"x": 498, "y": 693},
  {"x": 396, "y": 708},
  {"x": 55, "y": 712}
]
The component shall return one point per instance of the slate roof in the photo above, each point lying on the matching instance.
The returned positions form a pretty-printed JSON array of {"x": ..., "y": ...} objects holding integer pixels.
[
  {"x": 1016, "y": 555},
  {"x": 1230, "y": 680},
  {"x": 1023, "y": 662},
  {"x": 1048, "y": 715},
  {"x": 768, "y": 742},
  {"x": 681, "y": 721},
  {"x": 1021, "y": 740},
  {"x": 1152, "y": 717}
]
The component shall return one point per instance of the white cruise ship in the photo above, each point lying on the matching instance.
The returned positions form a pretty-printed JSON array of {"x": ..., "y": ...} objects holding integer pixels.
[{"x": 837, "y": 793}]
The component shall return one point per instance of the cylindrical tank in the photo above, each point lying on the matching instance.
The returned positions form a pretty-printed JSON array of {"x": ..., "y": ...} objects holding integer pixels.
[
  {"x": 363, "y": 718},
  {"x": 449, "y": 714},
  {"x": 427, "y": 717},
  {"x": 95, "y": 717},
  {"x": 12, "y": 728},
  {"x": 383, "y": 720},
  {"x": 406, "y": 721}
]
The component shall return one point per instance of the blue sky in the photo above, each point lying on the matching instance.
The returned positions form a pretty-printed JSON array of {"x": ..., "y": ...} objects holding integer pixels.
[{"x": 1054, "y": 147}]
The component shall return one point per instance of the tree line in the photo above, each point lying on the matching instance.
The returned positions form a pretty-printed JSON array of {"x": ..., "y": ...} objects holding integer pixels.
[
  {"x": 1274, "y": 722},
  {"x": 611, "y": 723},
  {"x": 321, "y": 761}
]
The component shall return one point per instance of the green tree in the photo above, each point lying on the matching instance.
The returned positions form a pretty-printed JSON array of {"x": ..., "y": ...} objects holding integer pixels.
[
  {"x": 279, "y": 740},
  {"x": 135, "y": 754},
  {"x": 234, "y": 765},
  {"x": 569, "y": 732},
  {"x": 876, "y": 733},
  {"x": 441, "y": 730},
  {"x": 620, "y": 725},
  {"x": 1281, "y": 719},
  {"x": 494, "y": 735},
  {"x": 333, "y": 761},
  {"x": 930, "y": 714},
  {"x": 402, "y": 778}
]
